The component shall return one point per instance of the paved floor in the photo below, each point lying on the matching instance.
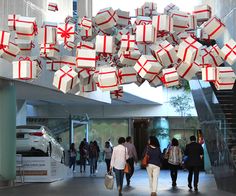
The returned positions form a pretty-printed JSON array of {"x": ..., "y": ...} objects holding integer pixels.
[{"x": 83, "y": 185}]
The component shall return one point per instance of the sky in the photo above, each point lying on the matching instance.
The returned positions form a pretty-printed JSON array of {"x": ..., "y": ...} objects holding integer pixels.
[{"x": 130, "y": 5}]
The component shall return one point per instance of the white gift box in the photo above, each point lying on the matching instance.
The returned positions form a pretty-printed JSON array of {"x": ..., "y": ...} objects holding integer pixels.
[
  {"x": 120, "y": 33},
  {"x": 150, "y": 5},
  {"x": 161, "y": 23},
  {"x": 127, "y": 42},
  {"x": 187, "y": 71},
  {"x": 179, "y": 22},
  {"x": 140, "y": 80},
  {"x": 69, "y": 61},
  {"x": 65, "y": 32},
  {"x": 189, "y": 50},
  {"x": 225, "y": 78},
  {"x": 147, "y": 66},
  {"x": 10, "y": 52},
  {"x": 141, "y": 12},
  {"x": 209, "y": 56},
  {"x": 173, "y": 39},
  {"x": 156, "y": 80},
  {"x": 202, "y": 12},
  {"x": 108, "y": 79},
  {"x": 170, "y": 8},
  {"x": 106, "y": 18},
  {"x": 24, "y": 69},
  {"x": 165, "y": 53},
  {"x": 47, "y": 35},
  {"x": 26, "y": 28},
  {"x": 88, "y": 87},
  {"x": 145, "y": 34},
  {"x": 141, "y": 20},
  {"x": 104, "y": 44},
  {"x": 170, "y": 77},
  {"x": 52, "y": 7},
  {"x": 228, "y": 52},
  {"x": 86, "y": 23},
  {"x": 86, "y": 33},
  {"x": 209, "y": 73},
  {"x": 192, "y": 22},
  {"x": 127, "y": 75},
  {"x": 69, "y": 46},
  {"x": 65, "y": 79},
  {"x": 129, "y": 57},
  {"x": 117, "y": 94},
  {"x": 12, "y": 19},
  {"x": 49, "y": 51},
  {"x": 86, "y": 58},
  {"x": 4, "y": 41},
  {"x": 151, "y": 12},
  {"x": 53, "y": 65},
  {"x": 85, "y": 75},
  {"x": 213, "y": 27},
  {"x": 85, "y": 45},
  {"x": 25, "y": 46},
  {"x": 123, "y": 17}
]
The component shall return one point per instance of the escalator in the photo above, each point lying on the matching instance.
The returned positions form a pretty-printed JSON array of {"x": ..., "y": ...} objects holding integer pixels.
[{"x": 217, "y": 116}]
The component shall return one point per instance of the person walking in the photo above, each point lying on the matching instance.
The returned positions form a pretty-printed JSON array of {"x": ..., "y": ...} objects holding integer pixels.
[
  {"x": 154, "y": 163},
  {"x": 83, "y": 156},
  {"x": 194, "y": 153},
  {"x": 118, "y": 161},
  {"x": 133, "y": 158},
  {"x": 107, "y": 155},
  {"x": 92, "y": 158},
  {"x": 174, "y": 155},
  {"x": 98, "y": 152},
  {"x": 73, "y": 154}
]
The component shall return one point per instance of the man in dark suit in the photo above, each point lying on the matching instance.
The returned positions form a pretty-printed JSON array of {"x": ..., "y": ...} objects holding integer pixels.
[{"x": 194, "y": 153}]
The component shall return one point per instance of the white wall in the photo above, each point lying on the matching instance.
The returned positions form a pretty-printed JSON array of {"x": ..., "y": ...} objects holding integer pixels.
[{"x": 21, "y": 112}]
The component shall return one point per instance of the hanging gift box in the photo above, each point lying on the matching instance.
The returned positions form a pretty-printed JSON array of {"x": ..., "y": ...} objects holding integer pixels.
[
  {"x": 86, "y": 58},
  {"x": 24, "y": 69},
  {"x": 4, "y": 41},
  {"x": 53, "y": 65},
  {"x": 165, "y": 53},
  {"x": 170, "y": 8},
  {"x": 85, "y": 75},
  {"x": 210, "y": 57},
  {"x": 47, "y": 35},
  {"x": 66, "y": 32},
  {"x": 69, "y": 46},
  {"x": 108, "y": 79},
  {"x": 147, "y": 66},
  {"x": 25, "y": 46},
  {"x": 65, "y": 79},
  {"x": 86, "y": 23},
  {"x": 85, "y": 45},
  {"x": 156, "y": 80},
  {"x": 117, "y": 94},
  {"x": 141, "y": 12},
  {"x": 192, "y": 22},
  {"x": 123, "y": 17},
  {"x": 209, "y": 73},
  {"x": 38, "y": 65},
  {"x": 127, "y": 75},
  {"x": 88, "y": 87},
  {"x": 187, "y": 71},
  {"x": 69, "y": 61},
  {"x": 49, "y": 51},
  {"x": 145, "y": 34},
  {"x": 106, "y": 18},
  {"x": 127, "y": 43},
  {"x": 104, "y": 44},
  {"x": 170, "y": 77},
  {"x": 85, "y": 34},
  {"x": 52, "y": 7},
  {"x": 12, "y": 19},
  {"x": 10, "y": 52},
  {"x": 140, "y": 80},
  {"x": 202, "y": 12},
  {"x": 189, "y": 50},
  {"x": 225, "y": 78},
  {"x": 141, "y": 20},
  {"x": 179, "y": 21},
  {"x": 173, "y": 39},
  {"x": 129, "y": 57},
  {"x": 161, "y": 23},
  {"x": 119, "y": 35},
  {"x": 228, "y": 52},
  {"x": 26, "y": 28},
  {"x": 213, "y": 27},
  {"x": 150, "y": 5}
]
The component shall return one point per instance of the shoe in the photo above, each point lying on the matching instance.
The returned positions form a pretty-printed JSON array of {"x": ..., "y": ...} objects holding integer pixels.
[
  {"x": 128, "y": 183},
  {"x": 195, "y": 189},
  {"x": 153, "y": 194},
  {"x": 190, "y": 187},
  {"x": 174, "y": 184}
]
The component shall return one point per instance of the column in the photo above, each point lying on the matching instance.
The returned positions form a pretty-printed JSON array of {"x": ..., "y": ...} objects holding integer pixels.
[
  {"x": 7, "y": 130},
  {"x": 85, "y": 8}
]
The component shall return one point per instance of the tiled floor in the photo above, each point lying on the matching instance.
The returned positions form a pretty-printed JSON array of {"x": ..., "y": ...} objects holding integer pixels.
[{"x": 83, "y": 185}]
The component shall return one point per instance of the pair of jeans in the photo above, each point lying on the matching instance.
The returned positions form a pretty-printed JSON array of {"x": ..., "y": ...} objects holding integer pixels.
[
  {"x": 193, "y": 170},
  {"x": 173, "y": 173},
  {"x": 72, "y": 162},
  {"x": 130, "y": 161},
  {"x": 153, "y": 174},
  {"x": 82, "y": 163},
  {"x": 92, "y": 162},
  {"x": 119, "y": 178},
  {"x": 108, "y": 163}
]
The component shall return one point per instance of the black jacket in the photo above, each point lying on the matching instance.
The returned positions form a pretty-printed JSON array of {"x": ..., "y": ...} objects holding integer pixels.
[{"x": 193, "y": 151}]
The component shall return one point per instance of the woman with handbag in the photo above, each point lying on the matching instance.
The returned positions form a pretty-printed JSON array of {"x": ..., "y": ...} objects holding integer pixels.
[
  {"x": 118, "y": 162},
  {"x": 153, "y": 157},
  {"x": 174, "y": 156}
]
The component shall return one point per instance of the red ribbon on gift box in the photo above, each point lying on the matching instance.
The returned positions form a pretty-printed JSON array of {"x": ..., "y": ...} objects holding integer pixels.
[
  {"x": 118, "y": 93},
  {"x": 65, "y": 74},
  {"x": 217, "y": 28},
  {"x": 168, "y": 53},
  {"x": 190, "y": 45},
  {"x": 83, "y": 24},
  {"x": 19, "y": 68},
  {"x": 35, "y": 28},
  {"x": 52, "y": 64},
  {"x": 163, "y": 78},
  {"x": 14, "y": 20},
  {"x": 109, "y": 86},
  {"x": 66, "y": 32},
  {"x": 54, "y": 6},
  {"x": 2, "y": 46},
  {"x": 109, "y": 19},
  {"x": 211, "y": 55},
  {"x": 121, "y": 75},
  {"x": 6, "y": 50},
  {"x": 143, "y": 67},
  {"x": 187, "y": 70},
  {"x": 129, "y": 41},
  {"x": 50, "y": 47},
  {"x": 232, "y": 50},
  {"x": 201, "y": 11}
]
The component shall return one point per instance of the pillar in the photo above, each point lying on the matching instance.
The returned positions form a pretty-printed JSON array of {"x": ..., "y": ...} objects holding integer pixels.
[
  {"x": 7, "y": 130},
  {"x": 85, "y": 8}
]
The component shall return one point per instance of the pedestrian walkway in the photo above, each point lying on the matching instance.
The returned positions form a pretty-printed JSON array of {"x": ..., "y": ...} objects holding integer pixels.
[{"x": 83, "y": 185}]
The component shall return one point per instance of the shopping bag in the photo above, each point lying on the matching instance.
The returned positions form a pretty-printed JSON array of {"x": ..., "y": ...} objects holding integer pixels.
[
  {"x": 109, "y": 180},
  {"x": 127, "y": 168}
]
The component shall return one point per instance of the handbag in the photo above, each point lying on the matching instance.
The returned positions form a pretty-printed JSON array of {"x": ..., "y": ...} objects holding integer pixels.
[
  {"x": 145, "y": 160},
  {"x": 109, "y": 180},
  {"x": 127, "y": 168}
]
